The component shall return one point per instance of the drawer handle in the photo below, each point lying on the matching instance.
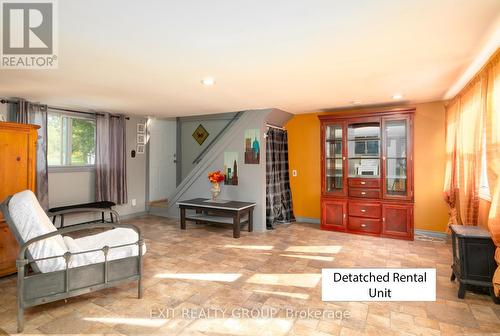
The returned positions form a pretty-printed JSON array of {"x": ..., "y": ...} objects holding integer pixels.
[
  {"x": 362, "y": 182},
  {"x": 363, "y": 225},
  {"x": 363, "y": 193},
  {"x": 363, "y": 210}
]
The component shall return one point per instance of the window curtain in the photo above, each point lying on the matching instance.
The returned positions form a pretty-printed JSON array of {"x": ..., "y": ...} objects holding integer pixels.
[
  {"x": 26, "y": 112},
  {"x": 464, "y": 129},
  {"x": 279, "y": 207},
  {"x": 492, "y": 124},
  {"x": 111, "y": 165},
  {"x": 473, "y": 129}
]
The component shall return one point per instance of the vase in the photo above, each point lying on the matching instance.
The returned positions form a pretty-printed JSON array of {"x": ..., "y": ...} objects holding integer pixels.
[{"x": 215, "y": 190}]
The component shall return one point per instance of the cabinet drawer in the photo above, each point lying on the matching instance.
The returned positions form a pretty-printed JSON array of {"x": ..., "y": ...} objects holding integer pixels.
[
  {"x": 364, "y": 182},
  {"x": 364, "y": 193},
  {"x": 364, "y": 224},
  {"x": 368, "y": 210}
]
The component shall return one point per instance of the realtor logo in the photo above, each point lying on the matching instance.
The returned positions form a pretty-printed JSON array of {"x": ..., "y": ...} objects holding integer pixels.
[{"x": 28, "y": 34}]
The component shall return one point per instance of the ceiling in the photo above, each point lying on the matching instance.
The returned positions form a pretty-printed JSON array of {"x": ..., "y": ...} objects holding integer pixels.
[{"x": 148, "y": 57}]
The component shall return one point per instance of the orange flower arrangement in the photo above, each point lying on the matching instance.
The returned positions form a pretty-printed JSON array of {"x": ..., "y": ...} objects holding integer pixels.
[{"x": 215, "y": 176}]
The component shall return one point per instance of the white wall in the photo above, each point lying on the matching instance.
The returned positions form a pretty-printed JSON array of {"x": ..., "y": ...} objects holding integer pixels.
[
  {"x": 3, "y": 112},
  {"x": 162, "y": 150},
  {"x": 190, "y": 148},
  {"x": 67, "y": 188}
]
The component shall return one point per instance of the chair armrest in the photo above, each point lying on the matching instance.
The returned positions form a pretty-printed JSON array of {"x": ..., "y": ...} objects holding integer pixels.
[{"x": 80, "y": 227}]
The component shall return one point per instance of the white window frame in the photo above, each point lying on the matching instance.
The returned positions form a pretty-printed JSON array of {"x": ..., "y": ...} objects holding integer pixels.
[{"x": 68, "y": 167}]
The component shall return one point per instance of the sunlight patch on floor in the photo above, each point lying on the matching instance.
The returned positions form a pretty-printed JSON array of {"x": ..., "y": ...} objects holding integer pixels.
[
  {"x": 310, "y": 257},
  {"x": 243, "y": 326},
  {"x": 222, "y": 277},
  {"x": 307, "y": 280},
  {"x": 141, "y": 322},
  {"x": 287, "y": 294},
  {"x": 314, "y": 249},
  {"x": 251, "y": 247}
]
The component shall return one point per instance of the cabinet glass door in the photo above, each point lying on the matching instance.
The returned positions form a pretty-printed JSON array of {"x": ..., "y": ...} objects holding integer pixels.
[
  {"x": 334, "y": 162},
  {"x": 396, "y": 158},
  {"x": 363, "y": 148}
]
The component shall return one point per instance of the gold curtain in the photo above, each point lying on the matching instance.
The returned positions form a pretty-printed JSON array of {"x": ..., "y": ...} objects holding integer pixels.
[
  {"x": 493, "y": 157},
  {"x": 464, "y": 127},
  {"x": 472, "y": 127}
]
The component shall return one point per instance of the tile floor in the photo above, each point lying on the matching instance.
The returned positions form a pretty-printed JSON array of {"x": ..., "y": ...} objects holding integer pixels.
[{"x": 204, "y": 282}]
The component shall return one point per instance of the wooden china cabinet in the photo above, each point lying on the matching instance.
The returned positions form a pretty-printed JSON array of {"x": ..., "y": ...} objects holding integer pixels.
[{"x": 367, "y": 173}]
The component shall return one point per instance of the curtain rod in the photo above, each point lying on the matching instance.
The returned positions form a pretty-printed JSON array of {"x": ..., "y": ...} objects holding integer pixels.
[
  {"x": 7, "y": 101},
  {"x": 277, "y": 127}
]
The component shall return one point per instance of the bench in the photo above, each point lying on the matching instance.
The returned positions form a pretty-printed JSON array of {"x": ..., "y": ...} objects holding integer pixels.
[{"x": 105, "y": 206}]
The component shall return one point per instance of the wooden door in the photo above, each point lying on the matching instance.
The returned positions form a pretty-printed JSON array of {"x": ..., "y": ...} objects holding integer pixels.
[
  {"x": 397, "y": 220},
  {"x": 334, "y": 215},
  {"x": 397, "y": 166},
  {"x": 333, "y": 157}
]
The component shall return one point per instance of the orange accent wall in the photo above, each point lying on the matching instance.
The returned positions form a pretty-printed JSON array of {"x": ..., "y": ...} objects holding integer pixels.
[{"x": 429, "y": 163}]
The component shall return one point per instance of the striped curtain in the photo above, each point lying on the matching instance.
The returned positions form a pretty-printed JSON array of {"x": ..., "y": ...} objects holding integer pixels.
[{"x": 279, "y": 207}]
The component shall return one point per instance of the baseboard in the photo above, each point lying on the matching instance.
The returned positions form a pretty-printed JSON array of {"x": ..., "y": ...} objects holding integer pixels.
[
  {"x": 435, "y": 234},
  {"x": 307, "y": 220},
  {"x": 429, "y": 233},
  {"x": 133, "y": 215}
]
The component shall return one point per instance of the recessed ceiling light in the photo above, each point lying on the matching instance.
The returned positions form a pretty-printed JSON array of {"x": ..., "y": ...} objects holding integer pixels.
[
  {"x": 208, "y": 81},
  {"x": 397, "y": 96},
  {"x": 356, "y": 102}
]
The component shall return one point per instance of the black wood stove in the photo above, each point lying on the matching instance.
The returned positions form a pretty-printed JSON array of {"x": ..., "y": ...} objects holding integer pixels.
[{"x": 473, "y": 258}]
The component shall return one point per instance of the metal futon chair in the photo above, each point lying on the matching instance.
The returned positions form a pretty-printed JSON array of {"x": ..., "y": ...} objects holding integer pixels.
[{"x": 80, "y": 266}]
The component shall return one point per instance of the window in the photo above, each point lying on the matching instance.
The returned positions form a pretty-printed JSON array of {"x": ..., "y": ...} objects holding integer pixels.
[
  {"x": 71, "y": 140},
  {"x": 484, "y": 188}
]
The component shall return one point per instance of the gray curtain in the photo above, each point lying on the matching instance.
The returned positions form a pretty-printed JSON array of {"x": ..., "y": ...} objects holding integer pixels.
[
  {"x": 111, "y": 159},
  {"x": 279, "y": 208},
  {"x": 26, "y": 112}
]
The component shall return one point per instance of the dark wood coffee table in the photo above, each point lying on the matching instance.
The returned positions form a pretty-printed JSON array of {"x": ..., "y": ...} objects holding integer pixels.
[{"x": 220, "y": 212}]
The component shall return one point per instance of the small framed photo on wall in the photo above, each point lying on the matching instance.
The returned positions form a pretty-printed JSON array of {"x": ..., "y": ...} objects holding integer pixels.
[
  {"x": 140, "y": 149},
  {"x": 141, "y": 128},
  {"x": 141, "y": 139}
]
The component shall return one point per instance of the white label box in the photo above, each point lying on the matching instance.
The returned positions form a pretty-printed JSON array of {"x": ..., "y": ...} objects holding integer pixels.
[{"x": 379, "y": 284}]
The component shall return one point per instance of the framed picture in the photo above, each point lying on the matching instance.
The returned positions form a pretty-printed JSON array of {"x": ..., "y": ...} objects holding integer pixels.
[
  {"x": 252, "y": 146},
  {"x": 141, "y": 139},
  {"x": 141, "y": 128},
  {"x": 200, "y": 134},
  {"x": 231, "y": 168},
  {"x": 140, "y": 149}
]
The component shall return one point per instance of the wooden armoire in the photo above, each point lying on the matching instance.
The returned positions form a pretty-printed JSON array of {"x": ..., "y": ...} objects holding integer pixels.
[
  {"x": 17, "y": 173},
  {"x": 367, "y": 172}
]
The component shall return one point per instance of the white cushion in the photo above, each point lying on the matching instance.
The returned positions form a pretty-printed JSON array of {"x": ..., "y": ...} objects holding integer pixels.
[
  {"x": 31, "y": 221},
  {"x": 110, "y": 238}
]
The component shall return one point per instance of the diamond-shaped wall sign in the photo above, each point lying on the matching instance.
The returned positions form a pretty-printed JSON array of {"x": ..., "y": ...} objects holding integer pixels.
[{"x": 200, "y": 134}]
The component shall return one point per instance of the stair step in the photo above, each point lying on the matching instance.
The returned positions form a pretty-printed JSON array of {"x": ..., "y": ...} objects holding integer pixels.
[{"x": 159, "y": 204}]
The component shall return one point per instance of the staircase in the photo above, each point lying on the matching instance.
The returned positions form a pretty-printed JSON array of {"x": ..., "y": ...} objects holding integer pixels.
[
  {"x": 195, "y": 183},
  {"x": 252, "y": 177}
]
